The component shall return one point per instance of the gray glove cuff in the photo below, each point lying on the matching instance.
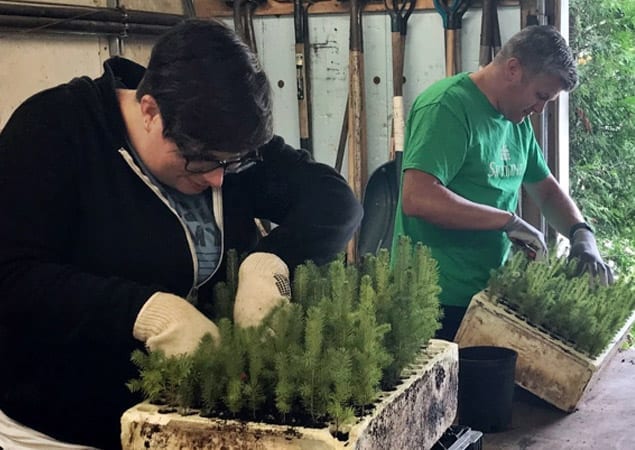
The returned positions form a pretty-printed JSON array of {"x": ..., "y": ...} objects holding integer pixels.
[
  {"x": 579, "y": 226},
  {"x": 510, "y": 223}
]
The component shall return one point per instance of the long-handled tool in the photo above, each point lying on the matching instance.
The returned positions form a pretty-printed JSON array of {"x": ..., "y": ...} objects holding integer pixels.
[
  {"x": 356, "y": 101},
  {"x": 399, "y": 14},
  {"x": 189, "y": 10},
  {"x": 490, "y": 33},
  {"x": 451, "y": 12},
  {"x": 243, "y": 14},
  {"x": 341, "y": 145},
  {"x": 302, "y": 68},
  {"x": 357, "y": 157},
  {"x": 382, "y": 191}
]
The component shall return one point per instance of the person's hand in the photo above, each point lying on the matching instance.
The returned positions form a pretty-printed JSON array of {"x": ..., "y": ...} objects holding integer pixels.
[
  {"x": 585, "y": 249},
  {"x": 170, "y": 323},
  {"x": 526, "y": 235},
  {"x": 263, "y": 284}
]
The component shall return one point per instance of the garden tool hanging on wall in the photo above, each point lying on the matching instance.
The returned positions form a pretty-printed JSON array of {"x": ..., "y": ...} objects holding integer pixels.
[
  {"x": 244, "y": 20},
  {"x": 451, "y": 12},
  {"x": 490, "y": 33},
  {"x": 357, "y": 151},
  {"x": 341, "y": 145},
  {"x": 356, "y": 102},
  {"x": 399, "y": 12},
  {"x": 354, "y": 110},
  {"x": 302, "y": 71},
  {"x": 244, "y": 26},
  {"x": 382, "y": 191},
  {"x": 189, "y": 10}
]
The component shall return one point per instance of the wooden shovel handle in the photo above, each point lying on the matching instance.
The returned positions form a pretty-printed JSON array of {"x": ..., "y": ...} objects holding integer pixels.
[
  {"x": 398, "y": 123},
  {"x": 302, "y": 64},
  {"x": 357, "y": 165},
  {"x": 450, "y": 52},
  {"x": 397, "y": 64},
  {"x": 357, "y": 125}
]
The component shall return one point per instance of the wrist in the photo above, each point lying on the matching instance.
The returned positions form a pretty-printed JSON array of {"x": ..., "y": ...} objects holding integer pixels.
[
  {"x": 579, "y": 226},
  {"x": 510, "y": 217}
]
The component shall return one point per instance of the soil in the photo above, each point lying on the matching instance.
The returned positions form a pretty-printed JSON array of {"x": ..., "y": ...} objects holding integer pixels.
[{"x": 268, "y": 414}]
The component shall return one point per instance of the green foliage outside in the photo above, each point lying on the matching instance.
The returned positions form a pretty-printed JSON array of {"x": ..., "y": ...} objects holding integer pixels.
[
  {"x": 602, "y": 124},
  {"x": 348, "y": 332},
  {"x": 629, "y": 341},
  {"x": 570, "y": 307}
]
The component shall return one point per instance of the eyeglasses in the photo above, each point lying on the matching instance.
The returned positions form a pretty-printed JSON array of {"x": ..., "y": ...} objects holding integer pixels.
[{"x": 229, "y": 166}]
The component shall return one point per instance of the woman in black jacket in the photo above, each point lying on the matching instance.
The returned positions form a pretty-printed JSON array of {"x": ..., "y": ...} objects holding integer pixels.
[{"x": 119, "y": 197}]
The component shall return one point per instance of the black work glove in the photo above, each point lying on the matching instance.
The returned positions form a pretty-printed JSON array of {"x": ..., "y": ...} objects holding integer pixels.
[
  {"x": 531, "y": 240},
  {"x": 585, "y": 249}
]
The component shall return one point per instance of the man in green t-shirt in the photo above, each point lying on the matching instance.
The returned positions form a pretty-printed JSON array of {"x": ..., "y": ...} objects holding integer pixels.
[{"x": 469, "y": 148}]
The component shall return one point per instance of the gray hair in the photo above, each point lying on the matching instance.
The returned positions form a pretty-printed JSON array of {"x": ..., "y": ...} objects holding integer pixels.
[{"x": 541, "y": 49}]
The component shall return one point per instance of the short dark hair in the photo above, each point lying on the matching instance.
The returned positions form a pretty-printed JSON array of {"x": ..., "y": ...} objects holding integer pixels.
[
  {"x": 210, "y": 89},
  {"x": 541, "y": 49}
]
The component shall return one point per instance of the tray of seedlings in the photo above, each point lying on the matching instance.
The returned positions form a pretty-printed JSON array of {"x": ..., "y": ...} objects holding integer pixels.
[
  {"x": 349, "y": 363},
  {"x": 564, "y": 327}
]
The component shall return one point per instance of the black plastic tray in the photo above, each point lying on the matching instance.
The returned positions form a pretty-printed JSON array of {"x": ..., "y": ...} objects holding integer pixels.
[{"x": 460, "y": 438}]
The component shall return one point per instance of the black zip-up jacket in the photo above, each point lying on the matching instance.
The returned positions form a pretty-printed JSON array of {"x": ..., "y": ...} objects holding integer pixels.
[{"x": 85, "y": 241}]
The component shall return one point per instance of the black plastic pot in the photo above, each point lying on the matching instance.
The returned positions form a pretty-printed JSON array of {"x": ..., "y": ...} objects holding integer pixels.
[{"x": 486, "y": 387}]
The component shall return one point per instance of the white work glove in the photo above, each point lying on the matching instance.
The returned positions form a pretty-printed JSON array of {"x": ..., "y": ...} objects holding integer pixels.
[
  {"x": 528, "y": 238},
  {"x": 263, "y": 284},
  {"x": 585, "y": 249},
  {"x": 170, "y": 323}
]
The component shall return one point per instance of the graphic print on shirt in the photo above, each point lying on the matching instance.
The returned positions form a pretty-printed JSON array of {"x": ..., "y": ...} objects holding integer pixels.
[
  {"x": 196, "y": 212},
  {"x": 505, "y": 168}
]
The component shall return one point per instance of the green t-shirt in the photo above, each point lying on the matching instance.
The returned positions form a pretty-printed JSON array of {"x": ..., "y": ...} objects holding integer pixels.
[{"x": 454, "y": 133}]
